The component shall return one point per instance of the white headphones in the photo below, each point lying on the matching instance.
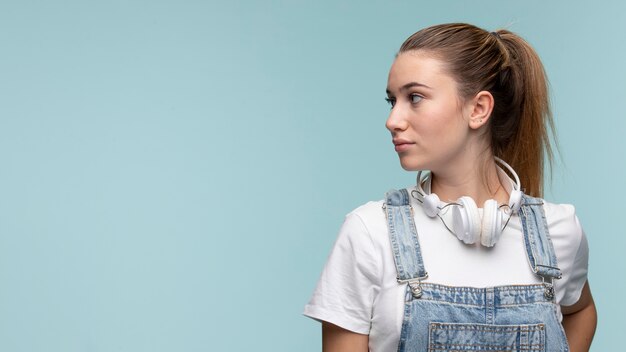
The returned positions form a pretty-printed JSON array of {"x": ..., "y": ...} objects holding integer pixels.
[{"x": 466, "y": 222}]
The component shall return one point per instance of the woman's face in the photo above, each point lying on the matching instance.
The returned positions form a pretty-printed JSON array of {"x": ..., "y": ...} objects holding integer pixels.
[{"x": 428, "y": 122}]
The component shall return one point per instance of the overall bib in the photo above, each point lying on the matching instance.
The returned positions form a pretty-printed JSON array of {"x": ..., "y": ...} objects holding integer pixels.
[{"x": 502, "y": 318}]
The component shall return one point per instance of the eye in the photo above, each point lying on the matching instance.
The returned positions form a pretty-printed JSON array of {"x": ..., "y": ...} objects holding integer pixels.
[
  {"x": 391, "y": 101},
  {"x": 415, "y": 98}
]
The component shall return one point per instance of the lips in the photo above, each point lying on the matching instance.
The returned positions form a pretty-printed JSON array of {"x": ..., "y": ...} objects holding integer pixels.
[{"x": 402, "y": 144}]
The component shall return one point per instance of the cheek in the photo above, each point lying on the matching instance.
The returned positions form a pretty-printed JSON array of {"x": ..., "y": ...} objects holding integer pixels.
[
  {"x": 441, "y": 120},
  {"x": 445, "y": 128}
]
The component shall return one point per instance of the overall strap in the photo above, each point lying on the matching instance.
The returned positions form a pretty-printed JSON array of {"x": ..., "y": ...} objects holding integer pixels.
[
  {"x": 539, "y": 247},
  {"x": 404, "y": 240}
]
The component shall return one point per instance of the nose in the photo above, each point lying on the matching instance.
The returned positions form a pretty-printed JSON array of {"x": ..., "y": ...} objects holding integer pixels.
[{"x": 396, "y": 120}]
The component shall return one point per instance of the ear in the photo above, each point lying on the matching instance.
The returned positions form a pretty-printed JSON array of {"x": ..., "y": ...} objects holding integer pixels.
[{"x": 480, "y": 107}]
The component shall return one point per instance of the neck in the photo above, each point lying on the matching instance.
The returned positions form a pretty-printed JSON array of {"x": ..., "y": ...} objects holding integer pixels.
[{"x": 478, "y": 180}]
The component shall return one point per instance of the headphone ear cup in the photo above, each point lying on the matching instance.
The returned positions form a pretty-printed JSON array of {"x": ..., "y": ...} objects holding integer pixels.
[
  {"x": 466, "y": 222},
  {"x": 491, "y": 223},
  {"x": 431, "y": 205}
]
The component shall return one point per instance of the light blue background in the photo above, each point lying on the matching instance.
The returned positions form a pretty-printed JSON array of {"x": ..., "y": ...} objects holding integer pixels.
[{"x": 173, "y": 173}]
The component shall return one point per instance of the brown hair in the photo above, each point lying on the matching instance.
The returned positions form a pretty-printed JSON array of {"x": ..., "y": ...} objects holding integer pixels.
[{"x": 509, "y": 68}]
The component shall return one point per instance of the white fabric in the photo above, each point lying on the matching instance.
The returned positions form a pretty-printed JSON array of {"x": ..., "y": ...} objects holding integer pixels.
[{"x": 359, "y": 292}]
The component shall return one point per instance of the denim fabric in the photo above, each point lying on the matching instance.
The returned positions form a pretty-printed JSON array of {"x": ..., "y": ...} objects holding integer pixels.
[
  {"x": 503, "y": 318},
  {"x": 404, "y": 242},
  {"x": 537, "y": 239}
]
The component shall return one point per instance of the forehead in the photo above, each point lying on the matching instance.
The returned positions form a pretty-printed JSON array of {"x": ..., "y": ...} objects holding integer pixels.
[{"x": 420, "y": 67}]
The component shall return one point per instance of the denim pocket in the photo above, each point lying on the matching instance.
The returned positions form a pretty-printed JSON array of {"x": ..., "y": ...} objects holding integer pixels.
[{"x": 485, "y": 337}]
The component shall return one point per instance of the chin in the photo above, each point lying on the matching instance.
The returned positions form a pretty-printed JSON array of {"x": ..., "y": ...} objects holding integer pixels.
[{"x": 411, "y": 165}]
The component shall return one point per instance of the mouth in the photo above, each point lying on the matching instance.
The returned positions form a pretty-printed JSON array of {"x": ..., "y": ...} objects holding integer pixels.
[{"x": 402, "y": 145}]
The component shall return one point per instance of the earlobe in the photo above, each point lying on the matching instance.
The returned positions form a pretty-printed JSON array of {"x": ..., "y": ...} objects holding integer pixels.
[{"x": 482, "y": 106}]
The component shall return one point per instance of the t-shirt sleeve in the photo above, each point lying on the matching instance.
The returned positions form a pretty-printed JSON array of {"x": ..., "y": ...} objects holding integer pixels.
[
  {"x": 578, "y": 275},
  {"x": 350, "y": 281}
]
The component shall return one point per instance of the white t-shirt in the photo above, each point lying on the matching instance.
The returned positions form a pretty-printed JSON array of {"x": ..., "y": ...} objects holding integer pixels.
[{"x": 358, "y": 290}]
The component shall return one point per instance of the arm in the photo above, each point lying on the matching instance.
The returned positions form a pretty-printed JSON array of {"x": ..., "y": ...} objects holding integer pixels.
[
  {"x": 579, "y": 321},
  {"x": 336, "y": 339}
]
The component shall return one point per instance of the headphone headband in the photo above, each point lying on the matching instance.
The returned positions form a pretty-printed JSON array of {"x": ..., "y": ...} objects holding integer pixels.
[{"x": 467, "y": 223}]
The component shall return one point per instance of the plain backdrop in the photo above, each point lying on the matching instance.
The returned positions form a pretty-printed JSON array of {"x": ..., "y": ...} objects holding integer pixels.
[{"x": 173, "y": 173}]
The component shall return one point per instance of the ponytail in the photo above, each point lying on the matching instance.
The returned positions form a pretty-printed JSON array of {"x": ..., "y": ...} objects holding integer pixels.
[
  {"x": 523, "y": 80},
  {"x": 509, "y": 68}
]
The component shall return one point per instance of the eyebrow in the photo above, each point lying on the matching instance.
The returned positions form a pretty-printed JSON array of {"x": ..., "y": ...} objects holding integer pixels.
[{"x": 410, "y": 85}]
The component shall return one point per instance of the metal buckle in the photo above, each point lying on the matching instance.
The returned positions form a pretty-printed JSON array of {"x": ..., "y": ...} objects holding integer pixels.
[
  {"x": 416, "y": 288},
  {"x": 549, "y": 288},
  {"x": 415, "y": 285}
]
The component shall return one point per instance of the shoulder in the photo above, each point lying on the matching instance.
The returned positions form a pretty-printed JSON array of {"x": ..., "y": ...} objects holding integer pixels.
[
  {"x": 562, "y": 221},
  {"x": 367, "y": 211},
  {"x": 365, "y": 222},
  {"x": 567, "y": 236},
  {"x": 368, "y": 221},
  {"x": 373, "y": 210},
  {"x": 372, "y": 216},
  {"x": 564, "y": 230}
]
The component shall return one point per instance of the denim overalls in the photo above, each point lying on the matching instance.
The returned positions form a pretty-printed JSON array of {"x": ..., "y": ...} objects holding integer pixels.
[{"x": 501, "y": 318}]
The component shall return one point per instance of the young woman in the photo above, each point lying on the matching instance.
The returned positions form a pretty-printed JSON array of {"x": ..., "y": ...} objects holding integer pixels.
[{"x": 469, "y": 258}]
